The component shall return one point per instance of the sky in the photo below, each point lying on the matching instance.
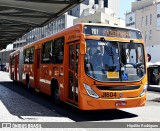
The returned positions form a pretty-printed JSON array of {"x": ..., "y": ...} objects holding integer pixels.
[{"x": 125, "y": 5}]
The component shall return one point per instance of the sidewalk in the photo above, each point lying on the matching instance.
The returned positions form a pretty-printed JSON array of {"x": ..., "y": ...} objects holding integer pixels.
[{"x": 4, "y": 76}]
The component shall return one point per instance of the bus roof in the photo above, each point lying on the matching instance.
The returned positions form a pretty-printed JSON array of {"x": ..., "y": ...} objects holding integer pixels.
[{"x": 101, "y": 24}]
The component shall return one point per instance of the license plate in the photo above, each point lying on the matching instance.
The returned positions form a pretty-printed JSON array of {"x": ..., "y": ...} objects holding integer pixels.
[{"x": 120, "y": 103}]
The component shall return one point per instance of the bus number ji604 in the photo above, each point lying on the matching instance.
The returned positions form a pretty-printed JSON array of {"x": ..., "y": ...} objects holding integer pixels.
[{"x": 109, "y": 94}]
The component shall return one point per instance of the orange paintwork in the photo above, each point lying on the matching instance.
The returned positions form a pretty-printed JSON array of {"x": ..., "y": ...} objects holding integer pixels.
[
  {"x": 40, "y": 78},
  {"x": 89, "y": 103}
]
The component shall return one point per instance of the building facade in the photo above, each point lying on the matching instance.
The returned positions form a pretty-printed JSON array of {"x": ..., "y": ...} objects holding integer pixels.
[
  {"x": 101, "y": 11},
  {"x": 145, "y": 15},
  {"x": 113, "y": 5},
  {"x": 55, "y": 26},
  {"x": 100, "y": 17}
]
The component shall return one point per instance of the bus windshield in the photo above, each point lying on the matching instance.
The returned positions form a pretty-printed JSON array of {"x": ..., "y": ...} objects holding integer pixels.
[{"x": 114, "y": 61}]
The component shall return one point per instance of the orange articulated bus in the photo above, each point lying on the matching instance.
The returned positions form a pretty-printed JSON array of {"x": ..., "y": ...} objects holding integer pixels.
[{"x": 90, "y": 66}]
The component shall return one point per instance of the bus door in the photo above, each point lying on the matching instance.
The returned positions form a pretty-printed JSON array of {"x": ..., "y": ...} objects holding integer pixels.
[
  {"x": 37, "y": 69},
  {"x": 73, "y": 72}
]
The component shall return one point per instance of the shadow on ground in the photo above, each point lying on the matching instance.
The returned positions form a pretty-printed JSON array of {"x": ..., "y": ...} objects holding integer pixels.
[{"x": 21, "y": 102}]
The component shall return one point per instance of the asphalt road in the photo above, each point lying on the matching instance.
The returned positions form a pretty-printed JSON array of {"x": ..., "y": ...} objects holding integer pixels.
[{"x": 19, "y": 105}]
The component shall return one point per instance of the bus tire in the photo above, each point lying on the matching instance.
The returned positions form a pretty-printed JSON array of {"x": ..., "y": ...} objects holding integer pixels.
[
  {"x": 27, "y": 83},
  {"x": 13, "y": 76},
  {"x": 55, "y": 94}
]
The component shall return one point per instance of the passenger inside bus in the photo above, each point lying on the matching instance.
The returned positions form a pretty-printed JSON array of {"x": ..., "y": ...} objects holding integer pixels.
[{"x": 96, "y": 60}]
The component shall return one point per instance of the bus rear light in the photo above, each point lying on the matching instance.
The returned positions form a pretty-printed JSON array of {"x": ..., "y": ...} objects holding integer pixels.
[
  {"x": 90, "y": 91},
  {"x": 144, "y": 90}
]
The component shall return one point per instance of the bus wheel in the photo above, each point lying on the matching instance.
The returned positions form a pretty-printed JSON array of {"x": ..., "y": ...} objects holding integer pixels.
[
  {"x": 13, "y": 77},
  {"x": 27, "y": 83},
  {"x": 55, "y": 96}
]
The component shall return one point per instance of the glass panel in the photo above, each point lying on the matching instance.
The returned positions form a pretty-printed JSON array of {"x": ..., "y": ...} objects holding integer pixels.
[
  {"x": 132, "y": 61},
  {"x": 154, "y": 76},
  {"x": 71, "y": 57},
  {"x": 58, "y": 51},
  {"x": 113, "y": 61},
  {"x": 31, "y": 55},
  {"x": 71, "y": 85},
  {"x": 26, "y": 55},
  {"x": 47, "y": 52},
  {"x": 102, "y": 60},
  {"x": 77, "y": 54},
  {"x": 76, "y": 93}
]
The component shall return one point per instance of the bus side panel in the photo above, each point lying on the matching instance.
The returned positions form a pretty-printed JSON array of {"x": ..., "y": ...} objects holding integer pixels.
[
  {"x": 23, "y": 74},
  {"x": 31, "y": 75},
  {"x": 26, "y": 72},
  {"x": 45, "y": 78}
]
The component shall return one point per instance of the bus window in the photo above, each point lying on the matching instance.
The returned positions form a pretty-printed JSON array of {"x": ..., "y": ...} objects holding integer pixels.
[
  {"x": 29, "y": 55},
  {"x": 58, "y": 51},
  {"x": 101, "y": 58},
  {"x": 26, "y": 56},
  {"x": 105, "y": 57},
  {"x": 77, "y": 55},
  {"x": 47, "y": 52},
  {"x": 132, "y": 61},
  {"x": 71, "y": 57}
]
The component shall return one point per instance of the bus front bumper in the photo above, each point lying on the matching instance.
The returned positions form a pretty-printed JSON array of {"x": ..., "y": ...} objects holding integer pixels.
[{"x": 90, "y": 103}]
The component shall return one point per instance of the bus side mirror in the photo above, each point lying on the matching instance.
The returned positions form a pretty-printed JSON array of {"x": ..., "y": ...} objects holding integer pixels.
[{"x": 83, "y": 47}]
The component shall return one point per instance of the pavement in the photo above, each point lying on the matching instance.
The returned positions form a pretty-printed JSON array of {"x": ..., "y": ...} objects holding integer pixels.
[{"x": 4, "y": 76}]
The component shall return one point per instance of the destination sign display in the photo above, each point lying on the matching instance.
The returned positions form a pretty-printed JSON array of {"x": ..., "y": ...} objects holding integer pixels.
[{"x": 112, "y": 32}]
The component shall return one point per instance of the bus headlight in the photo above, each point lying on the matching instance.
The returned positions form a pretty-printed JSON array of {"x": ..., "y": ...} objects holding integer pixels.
[
  {"x": 90, "y": 91},
  {"x": 144, "y": 90}
]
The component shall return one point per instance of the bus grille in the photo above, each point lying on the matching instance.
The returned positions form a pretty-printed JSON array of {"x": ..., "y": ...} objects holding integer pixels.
[{"x": 119, "y": 88}]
